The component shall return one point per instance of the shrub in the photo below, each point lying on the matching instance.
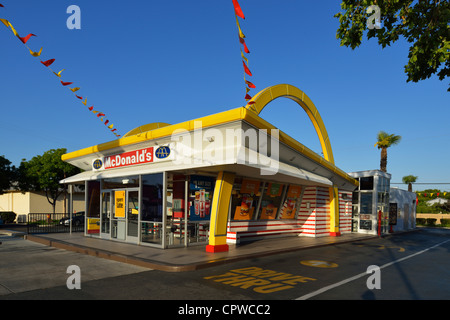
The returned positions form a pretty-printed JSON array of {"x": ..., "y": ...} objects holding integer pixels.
[
  {"x": 421, "y": 221},
  {"x": 7, "y": 216},
  {"x": 431, "y": 222},
  {"x": 445, "y": 222}
]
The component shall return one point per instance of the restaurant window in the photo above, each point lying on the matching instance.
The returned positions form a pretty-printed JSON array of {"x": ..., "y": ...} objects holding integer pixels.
[
  {"x": 93, "y": 199},
  {"x": 271, "y": 201},
  {"x": 366, "y": 183},
  {"x": 152, "y": 197},
  {"x": 121, "y": 182},
  {"x": 244, "y": 198}
]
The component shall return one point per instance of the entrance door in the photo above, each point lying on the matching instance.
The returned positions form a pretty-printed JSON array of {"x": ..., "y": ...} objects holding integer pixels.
[
  {"x": 132, "y": 216},
  {"x": 106, "y": 214},
  {"x": 125, "y": 220}
]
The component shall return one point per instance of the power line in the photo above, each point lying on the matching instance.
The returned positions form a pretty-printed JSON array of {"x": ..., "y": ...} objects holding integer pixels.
[{"x": 421, "y": 183}]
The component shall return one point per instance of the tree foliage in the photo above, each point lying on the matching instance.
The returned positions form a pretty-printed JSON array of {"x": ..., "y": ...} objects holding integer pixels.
[
  {"x": 384, "y": 141},
  {"x": 43, "y": 173},
  {"x": 7, "y": 174},
  {"x": 424, "y": 24}
]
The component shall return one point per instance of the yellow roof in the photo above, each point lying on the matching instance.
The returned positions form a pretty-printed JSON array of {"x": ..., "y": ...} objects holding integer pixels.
[{"x": 139, "y": 135}]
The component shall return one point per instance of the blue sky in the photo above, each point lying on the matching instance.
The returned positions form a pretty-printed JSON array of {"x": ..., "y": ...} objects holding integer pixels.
[{"x": 171, "y": 61}]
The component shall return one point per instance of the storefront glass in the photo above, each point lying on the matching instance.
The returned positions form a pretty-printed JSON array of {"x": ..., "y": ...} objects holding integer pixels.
[
  {"x": 93, "y": 208},
  {"x": 264, "y": 200},
  {"x": 152, "y": 208}
]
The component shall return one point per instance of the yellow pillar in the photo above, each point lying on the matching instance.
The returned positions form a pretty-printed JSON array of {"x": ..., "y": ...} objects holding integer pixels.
[
  {"x": 334, "y": 212},
  {"x": 219, "y": 213}
]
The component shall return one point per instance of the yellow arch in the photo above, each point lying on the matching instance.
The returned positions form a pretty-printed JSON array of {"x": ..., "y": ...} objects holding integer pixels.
[{"x": 264, "y": 97}]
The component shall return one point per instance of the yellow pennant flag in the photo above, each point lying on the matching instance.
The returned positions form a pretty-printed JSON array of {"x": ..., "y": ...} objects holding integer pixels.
[
  {"x": 111, "y": 126},
  {"x": 35, "y": 54},
  {"x": 74, "y": 89},
  {"x": 244, "y": 57},
  {"x": 84, "y": 102},
  {"x": 241, "y": 34},
  {"x": 9, "y": 25},
  {"x": 59, "y": 74}
]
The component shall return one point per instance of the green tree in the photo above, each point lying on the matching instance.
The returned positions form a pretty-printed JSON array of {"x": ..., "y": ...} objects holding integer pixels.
[
  {"x": 409, "y": 180},
  {"x": 384, "y": 141},
  {"x": 43, "y": 173},
  {"x": 424, "y": 24},
  {"x": 7, "y": 174}
]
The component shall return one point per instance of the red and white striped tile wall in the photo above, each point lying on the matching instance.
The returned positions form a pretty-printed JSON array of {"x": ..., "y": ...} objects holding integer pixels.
[{"x": 313, "y": 219}]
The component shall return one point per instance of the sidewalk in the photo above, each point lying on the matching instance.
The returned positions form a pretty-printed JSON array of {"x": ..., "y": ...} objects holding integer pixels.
[{"x": 184, "y": 259}]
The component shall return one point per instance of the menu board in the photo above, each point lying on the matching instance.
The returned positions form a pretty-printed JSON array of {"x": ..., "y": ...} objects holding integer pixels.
[{"x": 392, "y": 214}]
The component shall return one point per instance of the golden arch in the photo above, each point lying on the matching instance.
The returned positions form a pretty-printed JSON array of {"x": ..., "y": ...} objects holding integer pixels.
[{"x": 262, "y": 98}]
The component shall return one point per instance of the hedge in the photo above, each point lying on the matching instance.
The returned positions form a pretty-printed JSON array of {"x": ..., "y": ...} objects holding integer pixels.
[{"x": 7, "y": 216}]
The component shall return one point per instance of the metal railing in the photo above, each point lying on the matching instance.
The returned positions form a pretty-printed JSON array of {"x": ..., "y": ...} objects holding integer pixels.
[{"x": 52, "y": 223}]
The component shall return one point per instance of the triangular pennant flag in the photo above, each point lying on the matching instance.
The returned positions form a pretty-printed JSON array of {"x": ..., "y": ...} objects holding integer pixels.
[
  {"x": 9, "y": 25},
  {"x": 74, "y": 89},
  {"x": 36, "y": 54},
  {"x": 247, "y": 97},
  {"x": 26, "y": 38},
  {"x": 2, "y": 5},
  {"x": 84, "y": 102},
  {"x": 246, "y": 69},
  {"x": 90, "y": 108},
  {"x": 251, "y": 102},
  {"x": 238, "y": 10},
  {"x": 106, "y": 122},
  {"x": 81, "y": 98},
  {"x": 59, "y": 73},
  {"x": 244, "y": 57},
  {"x": 242, "y": 41},
  {"x": 241, "y": 34},
  {"x": 48, "y": 62},
  {"x": 251, "y": 85},
  {"x": 101, "y": 114},
  {"x": 111, "y": 126},
  {"x": 66, "y": 83}
]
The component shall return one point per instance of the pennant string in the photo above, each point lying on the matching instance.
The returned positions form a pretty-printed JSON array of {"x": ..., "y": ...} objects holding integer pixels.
[
  {"x": 48, "y": 63},
  {"x": 248, "y": 85}
]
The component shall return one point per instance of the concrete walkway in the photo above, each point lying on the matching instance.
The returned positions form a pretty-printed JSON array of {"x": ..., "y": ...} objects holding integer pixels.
[{"x": 184, "y": 259}]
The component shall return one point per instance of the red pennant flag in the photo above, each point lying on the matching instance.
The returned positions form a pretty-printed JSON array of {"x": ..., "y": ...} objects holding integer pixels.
[
  {"x": 241, "y": 40},
  {"x": 81, "y": 98},
  {"x": 65, "y": 83},
  {"x": 48, "y": 62},
  {"x": 246, "y": 69},
  {"x": 247, "y": 97},
  {"x": 26, "y": 38},
  {"x": 106, "y": 122},
  {"x": 250, "y": 85},
  {"x": 91, "y": 108},
  {"x": 2, "y": 5},
  {"x": 238, "y": 10},
  {"x": 251, "y": 102},
  {"x": 113, "y": 130},
  {"x": 101, "y": 114}
]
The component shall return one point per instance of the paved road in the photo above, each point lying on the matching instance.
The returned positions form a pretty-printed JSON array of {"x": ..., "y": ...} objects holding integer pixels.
[{"x": 412, "y": 266}]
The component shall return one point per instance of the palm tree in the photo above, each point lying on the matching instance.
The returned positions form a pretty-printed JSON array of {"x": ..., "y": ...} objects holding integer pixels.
[
  {"x": 409, "y": 180},
  {"x": 384, "y": 141}
]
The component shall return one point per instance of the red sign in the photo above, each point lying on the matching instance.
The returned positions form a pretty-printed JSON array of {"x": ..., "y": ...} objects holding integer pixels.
[{"x": 129, "y": 158}]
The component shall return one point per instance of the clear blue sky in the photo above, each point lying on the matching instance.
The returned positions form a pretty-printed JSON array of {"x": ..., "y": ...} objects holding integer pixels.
[{"x": 171, "y": 61}]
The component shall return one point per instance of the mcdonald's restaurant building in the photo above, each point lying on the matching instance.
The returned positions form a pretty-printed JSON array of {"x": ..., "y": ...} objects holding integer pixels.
[{"x": 214, "y": 181}]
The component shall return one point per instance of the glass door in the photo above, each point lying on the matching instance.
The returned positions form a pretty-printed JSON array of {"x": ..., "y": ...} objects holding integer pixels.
[
  {"x": 132, "y": 215},
  {"x": 106, "y": 214},
  {"x": 119, "y": 218}
]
